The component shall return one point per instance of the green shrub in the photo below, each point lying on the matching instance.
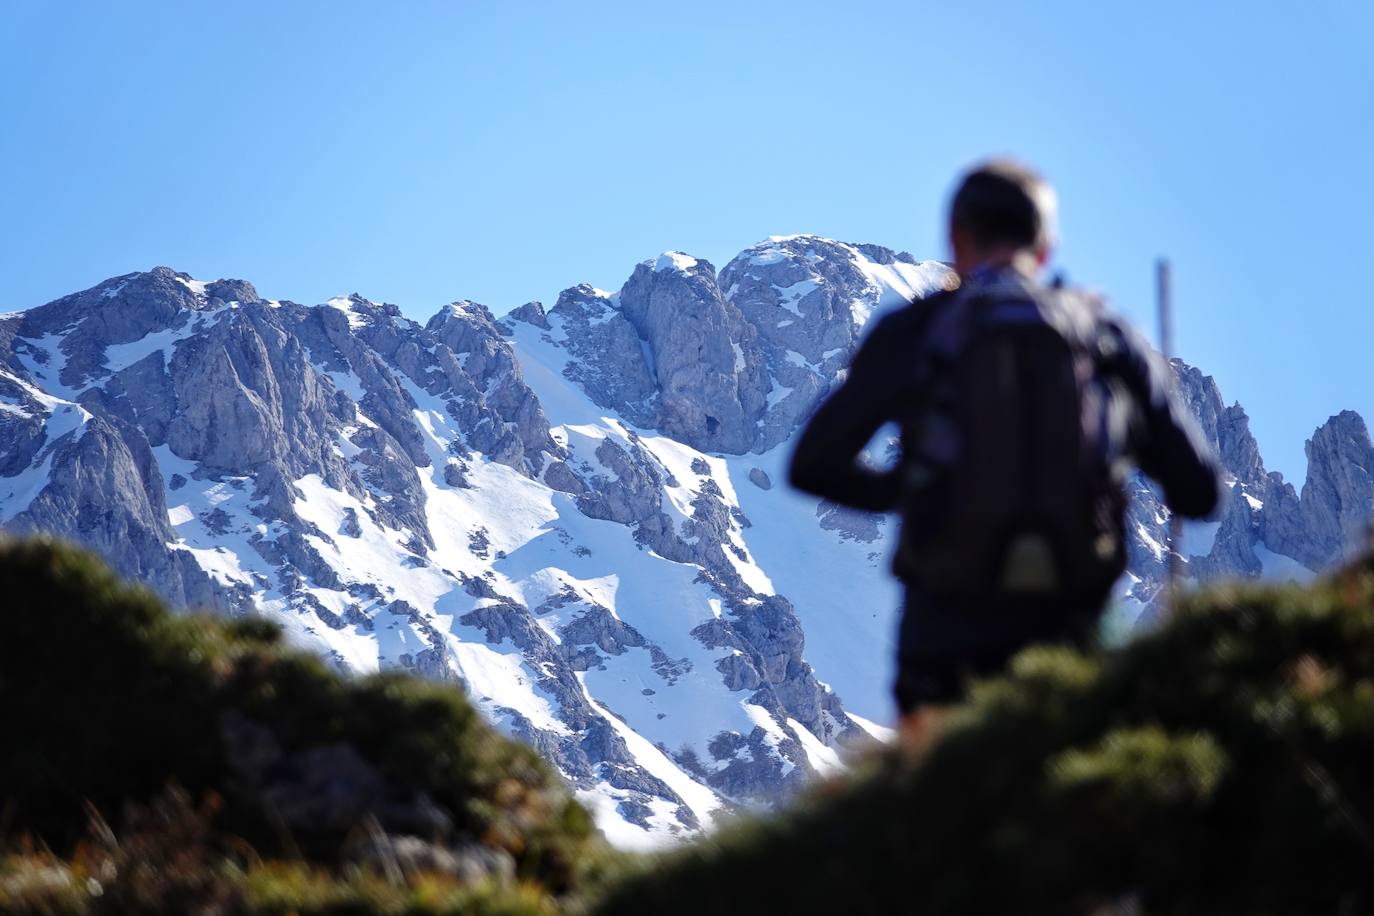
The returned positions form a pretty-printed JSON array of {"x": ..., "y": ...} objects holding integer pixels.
[
  {"x": 106, "y": 700},
  {"x": 1217, "y": 766},
  {"x": 282, "y": 889},
  {"x": 42, "y": 886}
]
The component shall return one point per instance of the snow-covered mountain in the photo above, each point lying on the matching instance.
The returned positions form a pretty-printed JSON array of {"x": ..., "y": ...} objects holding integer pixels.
[{"x": 575, "y": 512}]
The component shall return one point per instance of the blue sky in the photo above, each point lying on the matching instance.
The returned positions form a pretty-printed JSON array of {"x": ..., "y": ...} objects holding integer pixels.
[{"x": 420, "y": 153}]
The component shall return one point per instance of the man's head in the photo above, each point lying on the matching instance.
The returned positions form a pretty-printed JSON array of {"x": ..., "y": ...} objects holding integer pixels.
[{"x": 1002, "y": 213}]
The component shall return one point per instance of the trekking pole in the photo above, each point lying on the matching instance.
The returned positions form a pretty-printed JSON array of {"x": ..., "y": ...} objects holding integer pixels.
[{"x": 1164, "y": 297}]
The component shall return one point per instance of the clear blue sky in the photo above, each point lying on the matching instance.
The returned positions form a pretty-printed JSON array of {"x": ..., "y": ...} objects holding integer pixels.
[{"x": 420, "y": 153}]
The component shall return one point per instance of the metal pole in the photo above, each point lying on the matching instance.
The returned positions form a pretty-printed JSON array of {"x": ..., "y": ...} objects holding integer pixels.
[{"x": 1164, "y": 297}]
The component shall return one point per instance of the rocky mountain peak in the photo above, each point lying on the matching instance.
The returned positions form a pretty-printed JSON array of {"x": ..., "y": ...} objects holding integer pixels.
[
  {"x": 1344, "y": 431},
  {"x": 465, "y": 309},
  {"x": 731, "y": 364},
  {"x": 809, "y": 300},
  {"x": 121, "y": 310},
  {"x": 530, "y": 313},
  {"x": 226, "y": 291},
  {"x": 681, "y": 262},
  {"x": 1338, "y": 495},
  {"x": 1226, "y": 428},
  {"x": 705, "y": 358},
  {"x": 605, "y": 355}
]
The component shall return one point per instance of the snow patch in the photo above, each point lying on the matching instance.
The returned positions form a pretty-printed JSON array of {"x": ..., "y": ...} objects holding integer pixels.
[
  {"x": 1279, "y": 568},
  {"x": 769, "y": 255},
  {"x": 823, "y": 759},
  {"x": 195, "y": 286},
  {"x": 881, "y": 732},
  {"x": 701, "y": 800},
  {"x": 345, "y": 304},
  {"x": 674, "y": 260},
  {"x": 789, "y": 296}
]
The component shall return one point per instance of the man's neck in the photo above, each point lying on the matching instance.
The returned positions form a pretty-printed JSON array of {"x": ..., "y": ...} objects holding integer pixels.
[{"x": 1020, "y": 260}]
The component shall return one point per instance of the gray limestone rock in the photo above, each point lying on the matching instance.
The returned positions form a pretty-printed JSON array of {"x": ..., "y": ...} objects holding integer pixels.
[
  {"x": 232, "y": 410},
  {"x": 1338, "y": 496},
  {"x": 559, "y": 476},
  {"x": 706, "y": 361},
  {"x": 351, "y": 527},
  {"x": 455, "y": 476},
  {"x": 738, "y": 672},
  {"x": 594, "y": 750},
  {"x": 120, "y": 310},
  {"x": 1233, "y": 549},
  {"x": 1282, "y": 526},
  {"x": 809, "y": 302},
  {"x": 749, "y": 766},
  {"x": 531, "y": 313},
  {"x": 599, "y": 627},
  {"x": 1227, "y": 429},
  {"x": 146, "y": 396},
  {"x": 104, "y": 490},
  {"x": 1260, "y": 511},
  {"x": 608, "y": 358},
  {"x": 485, "y": 392},
  {"x": 852, "y": 524},
  {"x": 23, "y": 428}
]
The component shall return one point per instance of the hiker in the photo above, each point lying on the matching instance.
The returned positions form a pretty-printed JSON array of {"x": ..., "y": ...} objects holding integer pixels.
[{"x": 1021, "y": 406}]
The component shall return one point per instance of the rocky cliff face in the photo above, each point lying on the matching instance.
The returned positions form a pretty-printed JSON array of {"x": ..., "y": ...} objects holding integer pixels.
[
  {"x": 1264, "y": 527},
  {"x": 1338, "y": 496},
  {"x": 810, "y": 299},
  {"x": 572, "y": 512},
  {"x": 731, "y": 364},
  {"x": 704, "y": 357}
]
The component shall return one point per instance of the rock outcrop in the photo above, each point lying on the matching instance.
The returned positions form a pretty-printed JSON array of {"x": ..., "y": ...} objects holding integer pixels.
[
  {"x": 1338, "y": 496},
  {"x": 705, "y": 358},
  {"x": 1264, "y": 526},
  {"x": 809, "y": 300}
]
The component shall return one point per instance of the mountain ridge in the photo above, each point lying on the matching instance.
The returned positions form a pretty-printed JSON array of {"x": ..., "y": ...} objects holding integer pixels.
[{"x": 572, "y": 511}]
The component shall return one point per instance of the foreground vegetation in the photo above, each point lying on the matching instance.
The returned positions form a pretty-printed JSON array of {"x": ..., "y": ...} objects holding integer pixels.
[
  {"x": 1221, "y": 765},
  {"x": 158, "y": 764}
]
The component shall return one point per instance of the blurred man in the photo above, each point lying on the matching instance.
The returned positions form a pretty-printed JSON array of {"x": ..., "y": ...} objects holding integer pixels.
[{"x": 1021, "y": 408}]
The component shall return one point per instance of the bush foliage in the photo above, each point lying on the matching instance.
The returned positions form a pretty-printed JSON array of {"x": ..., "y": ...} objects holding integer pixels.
[
  {"x": 1216, "y": 766},
  {"x": 1220, "y": 765},
  {"x": 108, "y": 702}
]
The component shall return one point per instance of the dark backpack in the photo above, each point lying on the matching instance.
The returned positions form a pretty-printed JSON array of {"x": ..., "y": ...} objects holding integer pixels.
[{"x": 1012, "y": 487}]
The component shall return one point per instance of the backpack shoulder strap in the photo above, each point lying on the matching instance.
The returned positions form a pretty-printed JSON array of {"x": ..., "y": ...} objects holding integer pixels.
[
  {"x": 1083, "y": 318},
  {"x": 942, "y": 333}
]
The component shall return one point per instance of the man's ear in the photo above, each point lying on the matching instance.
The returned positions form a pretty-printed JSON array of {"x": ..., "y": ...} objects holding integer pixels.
[{"x": 1042, "y": 255}]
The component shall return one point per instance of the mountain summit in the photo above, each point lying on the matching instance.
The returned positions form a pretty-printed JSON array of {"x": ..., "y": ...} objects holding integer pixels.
[{"x": 572, "y": 511}]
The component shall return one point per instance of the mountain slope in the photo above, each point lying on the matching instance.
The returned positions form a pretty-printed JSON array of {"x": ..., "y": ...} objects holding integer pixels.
[{"x": 577, "y": 513}]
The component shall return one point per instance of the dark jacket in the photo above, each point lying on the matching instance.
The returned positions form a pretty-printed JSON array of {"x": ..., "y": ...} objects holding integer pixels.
[{"x": 882, "y": 387}]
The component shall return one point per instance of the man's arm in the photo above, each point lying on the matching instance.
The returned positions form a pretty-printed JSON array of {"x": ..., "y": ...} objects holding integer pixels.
[
  {"x": 1169, "y": 445},
  {"x": 826, "y": 461}
]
